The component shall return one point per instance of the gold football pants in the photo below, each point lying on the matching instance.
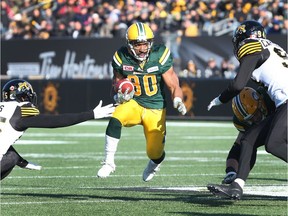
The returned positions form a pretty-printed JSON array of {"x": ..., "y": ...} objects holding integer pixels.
[{"x": 152, "y": 120}]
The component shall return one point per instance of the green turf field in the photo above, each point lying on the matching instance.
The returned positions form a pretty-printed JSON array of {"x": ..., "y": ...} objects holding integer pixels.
[{"x": 195, "y": 156}]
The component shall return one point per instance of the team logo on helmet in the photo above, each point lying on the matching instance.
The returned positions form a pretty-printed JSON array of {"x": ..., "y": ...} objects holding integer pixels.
[{"x": 241, "y": 29}]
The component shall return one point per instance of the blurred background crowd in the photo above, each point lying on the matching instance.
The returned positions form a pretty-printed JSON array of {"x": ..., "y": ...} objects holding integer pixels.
[{"x": 170, "y": 19}]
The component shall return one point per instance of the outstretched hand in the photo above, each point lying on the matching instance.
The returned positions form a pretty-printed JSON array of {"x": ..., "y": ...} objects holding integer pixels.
[
  {"x": 214, "y": 102},
  {"x": 102, "y": 112}
]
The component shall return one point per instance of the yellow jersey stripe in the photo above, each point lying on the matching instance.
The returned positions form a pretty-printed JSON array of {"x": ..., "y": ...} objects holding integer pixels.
[
  {"x": 249, "y": 48},
  {"x": 165, "y": 56},
  {"x": 29, "y": 111},
  {"x": 117, "y": 59}
]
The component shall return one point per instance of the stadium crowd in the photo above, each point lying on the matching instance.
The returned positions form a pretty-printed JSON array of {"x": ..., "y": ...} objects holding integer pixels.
[
  {"x": 43, "y": 19},
  {"x": 169, "y": 19}
]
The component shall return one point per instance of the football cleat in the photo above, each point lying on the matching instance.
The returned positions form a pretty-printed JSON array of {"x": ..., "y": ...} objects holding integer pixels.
[
  {"x": 150, "y": 171},
  {"x": 32, "y": 166},
  {"x": 229, "y": 178},
  {"x": 106, "y": 170},
  {"x": 232, "y": 191}
]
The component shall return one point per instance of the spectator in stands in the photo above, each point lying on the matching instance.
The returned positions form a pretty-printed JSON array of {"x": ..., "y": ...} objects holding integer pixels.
[
  {"x": 227, "y": 69},
  {"x": 285, "y": 27},
  {"x": 276, "y": 28},
  {"x": 7, "y": 14},
  {"x": 212, "y": 70},
  {"x": 83, "y": 17},
  {"x": 193, "y": 17},
  {"x": 191, "y": 70},
  {"x": 61, "y": 29},
  {"x": 96, "y": 25}
]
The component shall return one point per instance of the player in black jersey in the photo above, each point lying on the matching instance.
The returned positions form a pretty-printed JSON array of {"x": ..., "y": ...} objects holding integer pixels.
[
  {"x": 266, "y": 63},
  {"x": 18, "y": 112},
  {"x": 249, "y": 108}
]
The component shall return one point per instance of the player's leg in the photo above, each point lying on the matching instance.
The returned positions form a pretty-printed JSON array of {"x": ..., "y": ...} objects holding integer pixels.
[
  {"x": 249, "y": 142},
  {"x": 127, "y": 114},
  {"x": 24, "y": 164},
  {"x": 8, "y": 162},
  {"x": 154, "y": 124},
  {"x": 232, "y": 160},
  {"x": 11, "y": 159},
  {"x": 276, "y": 142}
]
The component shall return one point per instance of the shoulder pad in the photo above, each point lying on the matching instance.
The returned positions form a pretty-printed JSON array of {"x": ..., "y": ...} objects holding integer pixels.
[
  {"x": 117, "y": 57},
  {"x": 162, "y": 52},
  {"x": 249, "y": 46}
]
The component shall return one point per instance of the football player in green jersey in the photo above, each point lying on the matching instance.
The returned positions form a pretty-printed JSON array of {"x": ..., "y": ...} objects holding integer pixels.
[
  {"x": 249, "y": 107},
  {"x": 149, "y": 67}
]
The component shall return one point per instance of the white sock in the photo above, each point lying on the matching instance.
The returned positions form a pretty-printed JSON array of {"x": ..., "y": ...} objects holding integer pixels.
[
  {"x": 110, "y": 149},
  {"x": 240, "y": 182}
]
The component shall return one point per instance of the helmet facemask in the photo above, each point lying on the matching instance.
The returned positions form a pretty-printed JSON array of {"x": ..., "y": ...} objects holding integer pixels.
[
  {"x": 139, "y": 39},
  {"x": 141, "y": 54}
]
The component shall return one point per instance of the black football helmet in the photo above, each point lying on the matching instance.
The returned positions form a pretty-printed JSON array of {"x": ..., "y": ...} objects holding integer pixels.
[
  {"x": 247, "y": 29},
  {"x": 19, "y": 90}
]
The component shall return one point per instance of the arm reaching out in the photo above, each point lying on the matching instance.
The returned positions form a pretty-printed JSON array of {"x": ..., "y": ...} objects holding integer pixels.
[
  {"x": 214, "y": 102},
  {"x": 102, "y": 112}
]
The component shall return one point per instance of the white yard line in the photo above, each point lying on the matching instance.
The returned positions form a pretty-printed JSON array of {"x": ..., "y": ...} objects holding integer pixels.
[{"x": 171, "y": 123}]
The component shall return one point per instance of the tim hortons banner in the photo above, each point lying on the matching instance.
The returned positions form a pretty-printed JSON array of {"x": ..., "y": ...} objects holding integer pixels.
[{"x": 91, "y": 58}]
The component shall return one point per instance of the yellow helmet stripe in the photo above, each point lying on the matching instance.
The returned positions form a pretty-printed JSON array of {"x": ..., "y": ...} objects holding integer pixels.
[{"x": 165, "y": 56}]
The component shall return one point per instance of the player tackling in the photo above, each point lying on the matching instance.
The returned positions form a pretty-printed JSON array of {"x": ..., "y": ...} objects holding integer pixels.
[
  {"x": 18, "y": 112},
  {"x": 266, "y": 63}
]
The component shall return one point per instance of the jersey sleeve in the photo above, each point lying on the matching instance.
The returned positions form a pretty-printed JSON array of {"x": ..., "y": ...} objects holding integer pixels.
[
  {"x": 165, "y": 58},
  {"x": 28, "y": 110},
  {"x": 117, "y": 62},
  {"x": 30, "y": 117},
  {"x": 250, "y": 46}
]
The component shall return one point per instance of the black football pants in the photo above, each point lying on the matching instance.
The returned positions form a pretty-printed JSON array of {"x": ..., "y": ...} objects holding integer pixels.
[
  {"x": 10, "y": 160},
  {"x": 271, "y": 132}
]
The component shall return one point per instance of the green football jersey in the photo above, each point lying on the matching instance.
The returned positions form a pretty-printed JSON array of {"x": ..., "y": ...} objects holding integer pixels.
[{"x": 146, "y": 77}]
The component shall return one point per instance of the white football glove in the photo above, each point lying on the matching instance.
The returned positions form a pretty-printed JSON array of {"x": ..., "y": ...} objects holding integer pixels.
[
  {"x": 179, "y": 105},
  {"x": 121, "y": 98},
  {"x": 102, "y": 112},
  {"x": 214, "y": 102}
]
